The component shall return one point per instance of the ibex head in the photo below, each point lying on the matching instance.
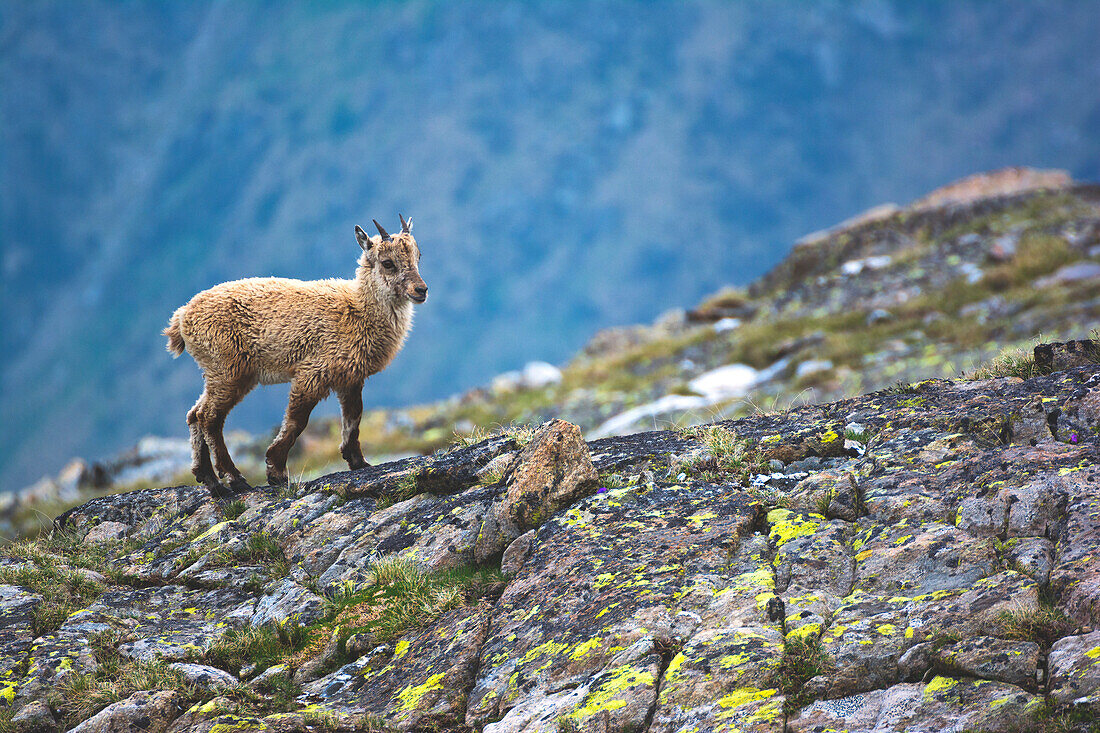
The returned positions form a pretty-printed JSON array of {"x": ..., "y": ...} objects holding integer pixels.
[{"x": 393, "y": 262}]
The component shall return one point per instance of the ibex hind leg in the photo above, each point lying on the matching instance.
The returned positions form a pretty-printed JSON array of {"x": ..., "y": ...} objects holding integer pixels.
[
  {"x": 212, "y": 419},
  {"x": 200, "y": 452},
  {"x": 301, "y": 404},
  {"x": 351, "y": 410}
]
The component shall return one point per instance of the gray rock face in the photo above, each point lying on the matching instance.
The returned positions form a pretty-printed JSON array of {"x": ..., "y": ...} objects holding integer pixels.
[
  {"x": 17, "y": 606},
  {"x": 205, "y": 676},
  {"x": 35, "y": 717},
  {"x": 286, "y": 601},
  {"x": 1074, "y": 665},
  {"x": 892, "y": 589},
  {"x": 145, "y": 711},
  {"x": 990, "y": 658}
]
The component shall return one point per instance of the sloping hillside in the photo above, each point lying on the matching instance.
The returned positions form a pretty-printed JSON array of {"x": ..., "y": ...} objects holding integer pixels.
[{"x": 898, "y": 295}]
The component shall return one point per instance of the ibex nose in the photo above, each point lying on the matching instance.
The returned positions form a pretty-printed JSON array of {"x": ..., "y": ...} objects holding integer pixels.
[{"x": 421, "y": 289}]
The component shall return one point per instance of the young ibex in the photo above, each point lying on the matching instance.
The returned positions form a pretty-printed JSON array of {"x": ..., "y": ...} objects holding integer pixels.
[{"x": 321, "y": 336}]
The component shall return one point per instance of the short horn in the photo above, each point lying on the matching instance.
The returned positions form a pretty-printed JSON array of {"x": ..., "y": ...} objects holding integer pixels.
[
  {"x": 406, "y": 226},
  {"x": 383, "y": 232}
]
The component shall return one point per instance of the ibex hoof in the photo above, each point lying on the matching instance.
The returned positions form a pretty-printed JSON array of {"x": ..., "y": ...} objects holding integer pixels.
[
  {"x": 237, "y": 483},
  {"x": 217, "y": 490},
  {"x": 356, "y": 463},
  {"x": 276, "y": 478}
]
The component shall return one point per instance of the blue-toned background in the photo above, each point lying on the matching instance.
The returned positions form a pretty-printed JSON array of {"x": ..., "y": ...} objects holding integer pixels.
[{"x": 569, "y": 166}]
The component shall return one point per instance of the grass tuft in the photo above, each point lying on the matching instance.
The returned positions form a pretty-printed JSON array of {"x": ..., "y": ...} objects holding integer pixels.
[
  {"x": 803, "y": 659},
  {"x": 234, "y": 509},
  {"x": 78, "y": 697},
  {"x": 1013, "y": 362},
  {"x": 730, "y": 457},
  {"x": 1043, "y": 626},
  {"x": 260, "y": 548},
  {"x": 263, "y": 646},
  {"x": 63, "y": 592},
  {"x": 403, "y": 490}
]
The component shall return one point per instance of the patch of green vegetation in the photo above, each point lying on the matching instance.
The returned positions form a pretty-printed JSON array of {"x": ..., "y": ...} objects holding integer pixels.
[
  {"x": 822, "y": 502},
  {"x": 234, "y": 509},
  {"x": 264, "y": 646},
  {"x": 1051, "y": 718},
  {"x": 901, "y": 387},
  {"x": 261, "y": 548},
  {"x": 860, "y": 436},
  {"x": 63, "y": 547},
  {"x": 803, "y": 659},
  {"x": 400, "y": 596},
  {"x": 1043, "y": 626},
  {"x": 611, "y": 480},
  {"x": 63, "y": 589},
  {"x": 406, "y": 488},
  {"x": 77, "y": 697},
  {"x": 566, "y": 724},
  {"x": 522, "y": 435},
  {"x": 730, "y": 457},
  {"x": 6, "y": 724},
  {"x": 488, "y": 478},
  {"x": 1037, "y": 254},
  {"x": 1011, "y": 362}
]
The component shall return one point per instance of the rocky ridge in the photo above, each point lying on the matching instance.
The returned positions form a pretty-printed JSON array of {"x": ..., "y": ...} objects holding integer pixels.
[
  {"x": 918, "y": 558},
  {"x": 932, "y": 289}
]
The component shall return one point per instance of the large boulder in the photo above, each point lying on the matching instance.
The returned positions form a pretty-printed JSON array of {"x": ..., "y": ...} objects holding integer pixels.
[
  {"x": 553, "y": 471},
  {"x": 145, "y": 711}
]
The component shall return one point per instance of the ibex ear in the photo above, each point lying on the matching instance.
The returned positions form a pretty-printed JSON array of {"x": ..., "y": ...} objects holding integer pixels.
[{"x": 362, "y": 238}]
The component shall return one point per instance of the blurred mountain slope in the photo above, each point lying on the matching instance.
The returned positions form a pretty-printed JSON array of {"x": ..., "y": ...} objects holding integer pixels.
[{"x": 569, "y": 167}]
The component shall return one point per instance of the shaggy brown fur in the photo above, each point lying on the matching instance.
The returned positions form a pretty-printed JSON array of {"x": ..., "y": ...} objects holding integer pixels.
[{"x": 321, "y": 336}]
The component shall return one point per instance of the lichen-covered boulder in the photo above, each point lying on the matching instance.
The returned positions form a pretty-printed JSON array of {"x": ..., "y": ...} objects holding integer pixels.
[
  {"x": 145, "y": 711},
  {"x": 722, "y": 681},
  {"x": 1076, "y": 575},
  {"x": 438, "y": 533},
  {"x": 419, "y": 682},
  {"x": 170, "y": 623},
  {"x": 812, "y": 553},
  {"x": 910, "y": 559},
  {"x": 287, "y": 601},
  {"x": 1074, "y": 669},
  {"x": 609, "y": 580},
  {"x": 550, "y": 473},
  {"x": 990, "y": 658},
  {"x": 204, "y": 676},
  {"x": 17, "y": 606},
  {"x": 945, "y": 703}
]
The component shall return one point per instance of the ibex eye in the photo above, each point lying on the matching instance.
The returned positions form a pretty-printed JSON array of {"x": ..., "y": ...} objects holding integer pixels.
[{"x": 388, "y": 264}]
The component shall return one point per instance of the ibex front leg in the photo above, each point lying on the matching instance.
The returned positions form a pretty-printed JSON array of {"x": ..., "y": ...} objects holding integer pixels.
[
  {"x": 351, "y": 410},
  {"x": 297, "y": 416}
]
